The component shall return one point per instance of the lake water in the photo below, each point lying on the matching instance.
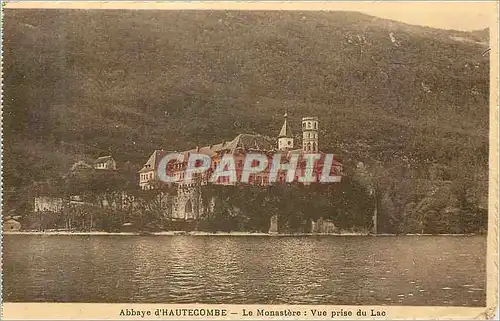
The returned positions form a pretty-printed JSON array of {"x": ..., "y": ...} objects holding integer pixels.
[{"x": 337, "y": 270}]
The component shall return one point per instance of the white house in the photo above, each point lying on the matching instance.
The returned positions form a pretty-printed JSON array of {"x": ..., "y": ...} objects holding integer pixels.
[{"x": 105, "y": 163}]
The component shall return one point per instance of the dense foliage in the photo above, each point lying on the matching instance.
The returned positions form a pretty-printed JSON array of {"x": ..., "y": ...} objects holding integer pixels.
[
  {"x": 250, "y": 208},
  {"x": 107, "y": 202}
]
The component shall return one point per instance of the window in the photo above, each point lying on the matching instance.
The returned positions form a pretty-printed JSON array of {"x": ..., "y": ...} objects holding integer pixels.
[
  {"x": 315, "y": 125},
  {"x": 303, "y": 125}
]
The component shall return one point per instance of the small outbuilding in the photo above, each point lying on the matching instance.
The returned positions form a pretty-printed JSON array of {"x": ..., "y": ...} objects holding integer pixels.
[
  {"x": 11, "y": 225},
  {"x": 105, "y": 162}
]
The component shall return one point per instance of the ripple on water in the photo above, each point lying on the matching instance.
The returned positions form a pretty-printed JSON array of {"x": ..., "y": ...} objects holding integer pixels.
[{"x": 242, "y": 270}]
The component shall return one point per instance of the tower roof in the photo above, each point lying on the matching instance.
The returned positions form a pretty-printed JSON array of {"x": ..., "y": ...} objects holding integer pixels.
[{"x": 285, "y": 129}]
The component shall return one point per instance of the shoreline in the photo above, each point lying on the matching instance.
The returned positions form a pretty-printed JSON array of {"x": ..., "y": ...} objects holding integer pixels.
[{"x": 198, "y": 233}]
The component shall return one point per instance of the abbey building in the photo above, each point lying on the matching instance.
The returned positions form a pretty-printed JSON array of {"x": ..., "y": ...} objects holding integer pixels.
[
  {"x": 186, "y": 204},
  {"x": 239, "y": 147}
]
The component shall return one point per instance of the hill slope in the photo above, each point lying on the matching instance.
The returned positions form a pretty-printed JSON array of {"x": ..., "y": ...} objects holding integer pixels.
[{"x": 80, "y": 83}]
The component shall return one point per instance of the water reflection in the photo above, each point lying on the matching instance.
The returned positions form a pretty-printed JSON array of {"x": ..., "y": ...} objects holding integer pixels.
[{"x": 295, "y": 270}]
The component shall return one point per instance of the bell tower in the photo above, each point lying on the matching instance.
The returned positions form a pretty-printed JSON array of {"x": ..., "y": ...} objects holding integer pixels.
[
  {"x": 285, "y": 138},
  {"x": 310, "y": 134}
]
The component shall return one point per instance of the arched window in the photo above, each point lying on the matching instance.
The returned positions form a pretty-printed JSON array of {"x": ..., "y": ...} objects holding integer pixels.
[
  {"x": 303, "y": 125},
  {"x": 315, "y": 125},
  {"x": 308, "y": 124},
  {"x": 314, "y": 146},
  {"x": 308, "y": 146}
]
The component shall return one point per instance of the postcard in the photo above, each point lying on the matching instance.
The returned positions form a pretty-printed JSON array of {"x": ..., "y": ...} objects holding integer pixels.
[{"x": 249, "y": 160}]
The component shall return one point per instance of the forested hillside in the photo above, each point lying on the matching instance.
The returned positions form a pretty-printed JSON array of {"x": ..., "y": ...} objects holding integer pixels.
[{"x": 409, "y": 102}]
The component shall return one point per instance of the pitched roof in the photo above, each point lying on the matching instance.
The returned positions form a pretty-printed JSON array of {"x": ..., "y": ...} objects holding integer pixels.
[
  {"x": 285, "y": 130},
  {"x": 81, "y": 165},
  {"x": 103, "y": 159},
  {"x": 242, "y": 141},
  {"x": 153, "y": 161},
  {"x": 250, "y": 141}
]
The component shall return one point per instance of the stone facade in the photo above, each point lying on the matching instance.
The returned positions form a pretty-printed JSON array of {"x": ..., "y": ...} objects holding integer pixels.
[
  {"x": 310, "y": 134},
  {"x": 323, "y": 226},
  {"x": 187, "y": 205},
  {"x": 273, "y": 227},
  {"x": 48, "y": 204}
]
